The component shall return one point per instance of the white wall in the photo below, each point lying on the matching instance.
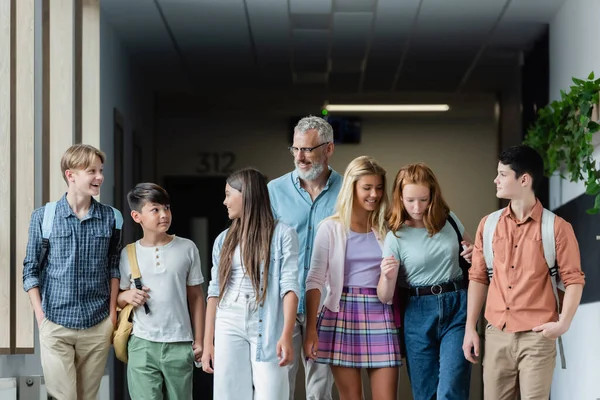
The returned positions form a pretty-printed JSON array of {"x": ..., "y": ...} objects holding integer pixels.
[
  {"x": 574, "y": 38},
  {"x": 461, "y": 149}
]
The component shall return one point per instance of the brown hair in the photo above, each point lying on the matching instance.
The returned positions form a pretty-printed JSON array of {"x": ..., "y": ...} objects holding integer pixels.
[
  {"x": 253, "y": 232},
  {"x": 437, "y": 212},
  {"x": 79, "y": 156}
]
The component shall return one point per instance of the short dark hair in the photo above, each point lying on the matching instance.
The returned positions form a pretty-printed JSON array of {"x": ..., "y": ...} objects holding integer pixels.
[
  {"x": 524, "y": 160},
  {"x": 147, "y": 192}
]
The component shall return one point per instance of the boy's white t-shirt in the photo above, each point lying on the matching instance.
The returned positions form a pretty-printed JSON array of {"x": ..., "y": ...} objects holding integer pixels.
[{"x": 167, "y": 271}]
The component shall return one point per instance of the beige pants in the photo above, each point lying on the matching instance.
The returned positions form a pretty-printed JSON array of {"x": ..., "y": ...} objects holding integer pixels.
[
  {"x": 513, "y": 363},
  {"x": 73, "y": 360}
]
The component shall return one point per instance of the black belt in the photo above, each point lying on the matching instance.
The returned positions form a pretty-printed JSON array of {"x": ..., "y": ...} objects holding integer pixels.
[{"x": 437, "y": 289}]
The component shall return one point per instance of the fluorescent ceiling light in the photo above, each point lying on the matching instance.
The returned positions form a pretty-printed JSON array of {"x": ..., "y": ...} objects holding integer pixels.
[{"x": 387, "y": 107}]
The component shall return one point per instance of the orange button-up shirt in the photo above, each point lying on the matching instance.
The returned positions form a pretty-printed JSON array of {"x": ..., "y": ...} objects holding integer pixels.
[{"x": 520, "y": 294}]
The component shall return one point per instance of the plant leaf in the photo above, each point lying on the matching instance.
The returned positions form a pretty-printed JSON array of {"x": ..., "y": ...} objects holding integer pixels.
[{"x": 593, "y": 189}]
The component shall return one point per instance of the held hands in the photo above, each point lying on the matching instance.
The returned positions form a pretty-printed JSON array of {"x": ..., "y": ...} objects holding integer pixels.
[
  {"x": 285, "y": 350},
  {"x": 552, "y": 330},
  {"x": 467, "y": 252},
  {"x": 136, "y": 297},
  {"x": 311, "y": 344},
  {"x": 471, "y": 345},
  {"x": 208, "y": 357},
  {"x": 389, "y": 268}
]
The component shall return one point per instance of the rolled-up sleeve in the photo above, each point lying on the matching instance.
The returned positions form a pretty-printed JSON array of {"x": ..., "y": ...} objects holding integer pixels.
[
  {"x": 31, "y": 267},
  {"x": 213, "y": 286},
  {"x": 478, "y": 270},
  {"x": 319, "y": 263},
  {"x": 288, "y": 279},
  {"x": 568, "y": 257}
]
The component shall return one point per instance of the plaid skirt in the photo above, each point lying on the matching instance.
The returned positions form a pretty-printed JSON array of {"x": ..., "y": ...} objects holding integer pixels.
[{"x": 361, "y": 335}]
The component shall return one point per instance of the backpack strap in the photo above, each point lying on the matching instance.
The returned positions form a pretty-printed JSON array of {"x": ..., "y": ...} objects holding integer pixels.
[
  {"x": 463, "y": 264},
  {"x": 47, "y": 222},
  {"x": 115, "y": 240},
  {"x": 549, "y": 244},
  {"x": 118, "y": 218},
  {"x": 135, "y": 270},
  {"x": 489, "y": 228}
]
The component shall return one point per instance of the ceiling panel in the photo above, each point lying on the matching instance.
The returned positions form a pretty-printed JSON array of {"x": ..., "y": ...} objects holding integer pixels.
[
  {"x": 541, "y": 11},
  {"x": 351, "y": 33},
  {"x": 270, "y": 26},
  {"x": 345, "y": 44},
  {"x": 310, "y": 6},
  {"x": 311, "y": 49},
  {"x": 354, "y": 5}
]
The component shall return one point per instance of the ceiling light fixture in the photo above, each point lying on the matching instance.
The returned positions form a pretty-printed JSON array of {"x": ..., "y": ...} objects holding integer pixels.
[{"x": 387, "y": 107}]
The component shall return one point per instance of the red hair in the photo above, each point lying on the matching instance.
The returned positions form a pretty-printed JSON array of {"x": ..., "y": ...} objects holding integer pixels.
[{"x": 437, "y": 211}]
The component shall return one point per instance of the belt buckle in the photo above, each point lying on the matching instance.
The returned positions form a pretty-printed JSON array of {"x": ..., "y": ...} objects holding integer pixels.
[{"x": 436, "y": 292}]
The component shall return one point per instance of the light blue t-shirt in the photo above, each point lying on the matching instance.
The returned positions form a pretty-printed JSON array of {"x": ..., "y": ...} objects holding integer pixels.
[
  {"x": 425, "y": 260},
  {"x": 293, "y": 206}
]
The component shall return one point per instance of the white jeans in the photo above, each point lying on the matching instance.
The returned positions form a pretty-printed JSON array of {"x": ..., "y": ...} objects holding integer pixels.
[
  {"x": 235, "y": 365},
  {"x": 318, "y": 377}
]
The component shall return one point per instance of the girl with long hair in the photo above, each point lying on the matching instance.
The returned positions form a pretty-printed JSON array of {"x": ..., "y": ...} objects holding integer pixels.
[
  {"x": 252, "y": 296},
  {"x": 354, "y": 329},
  {"x": 421, "y": 255}
]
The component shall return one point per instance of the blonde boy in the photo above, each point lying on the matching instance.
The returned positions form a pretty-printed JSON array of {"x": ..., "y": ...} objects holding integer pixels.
[{"x": 73, "y": 283}]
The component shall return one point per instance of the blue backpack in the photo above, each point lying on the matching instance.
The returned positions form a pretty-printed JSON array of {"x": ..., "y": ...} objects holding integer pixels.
[{"x": 48, "y": 222}]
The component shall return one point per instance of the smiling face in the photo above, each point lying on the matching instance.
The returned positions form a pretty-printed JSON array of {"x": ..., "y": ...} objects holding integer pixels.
[
  {"x": 416, "y": 199},
  {"x": 310, "y": 166},
  {"x": 233, "y": 202},
  {"x": 368, "y": 191},
  {"x": 86, "y": 182},
  {"x": 153, "y": 217}
]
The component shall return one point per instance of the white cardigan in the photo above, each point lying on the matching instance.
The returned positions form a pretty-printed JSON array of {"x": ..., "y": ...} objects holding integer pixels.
[{"x": 328, "y": 261}]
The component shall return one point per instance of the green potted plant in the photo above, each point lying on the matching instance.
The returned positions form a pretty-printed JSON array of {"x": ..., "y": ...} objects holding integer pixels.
[{"x": 563, "y": 133}]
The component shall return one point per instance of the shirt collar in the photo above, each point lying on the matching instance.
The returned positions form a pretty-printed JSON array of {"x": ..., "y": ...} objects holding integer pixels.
[
  {"x": 536, "y": 212},
  {"x": 63, "y": 209}
]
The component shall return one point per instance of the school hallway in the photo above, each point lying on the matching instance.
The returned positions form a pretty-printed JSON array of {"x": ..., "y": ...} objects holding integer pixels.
[{"x": 184, "y": 92}]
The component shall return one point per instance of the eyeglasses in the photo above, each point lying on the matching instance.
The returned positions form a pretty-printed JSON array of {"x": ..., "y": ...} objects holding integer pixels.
[{"x": 305, "y": 150}]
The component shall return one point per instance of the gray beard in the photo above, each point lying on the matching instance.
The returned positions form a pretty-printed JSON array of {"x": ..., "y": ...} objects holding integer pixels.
[{"x": 311, "y": 174}]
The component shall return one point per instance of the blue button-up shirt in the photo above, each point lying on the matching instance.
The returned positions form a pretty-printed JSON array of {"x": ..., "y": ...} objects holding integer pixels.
[
  {"x": 293, "y": 205},
  {"x": 75, "y": 281},
  {"x": 283, "y": 278}
]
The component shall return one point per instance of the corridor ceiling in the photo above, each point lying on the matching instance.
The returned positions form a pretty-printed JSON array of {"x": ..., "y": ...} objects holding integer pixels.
[{"x": 366, "y": 46}]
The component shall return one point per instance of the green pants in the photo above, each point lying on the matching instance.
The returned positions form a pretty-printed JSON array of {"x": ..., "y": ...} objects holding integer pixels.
[{"x": 159, "y": 370}]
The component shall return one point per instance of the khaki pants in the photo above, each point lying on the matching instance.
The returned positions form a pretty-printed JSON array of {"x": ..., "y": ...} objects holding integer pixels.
[
  {"x": 73, "y": 360},
  {"x": 513, "y": 363}
]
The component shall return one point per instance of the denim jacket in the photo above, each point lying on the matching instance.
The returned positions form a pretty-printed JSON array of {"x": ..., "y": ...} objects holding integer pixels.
[{"x": 283, "y": 278}]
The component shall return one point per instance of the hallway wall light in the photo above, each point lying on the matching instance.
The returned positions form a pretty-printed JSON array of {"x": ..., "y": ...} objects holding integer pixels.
[{"x": 387, "y": 107}]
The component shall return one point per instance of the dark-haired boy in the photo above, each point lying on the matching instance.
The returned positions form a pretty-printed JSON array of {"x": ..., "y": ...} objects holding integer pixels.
[
  {"x": 513, "y": 250},
  {"x": 164, "y": 342}
]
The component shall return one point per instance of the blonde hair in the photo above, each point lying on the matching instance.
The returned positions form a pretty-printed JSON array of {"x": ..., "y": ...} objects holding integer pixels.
[
  {"x": 359, "y": 167},
  {"x": 437, "y": 211},
  {"x": 79, "y": 156}
]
